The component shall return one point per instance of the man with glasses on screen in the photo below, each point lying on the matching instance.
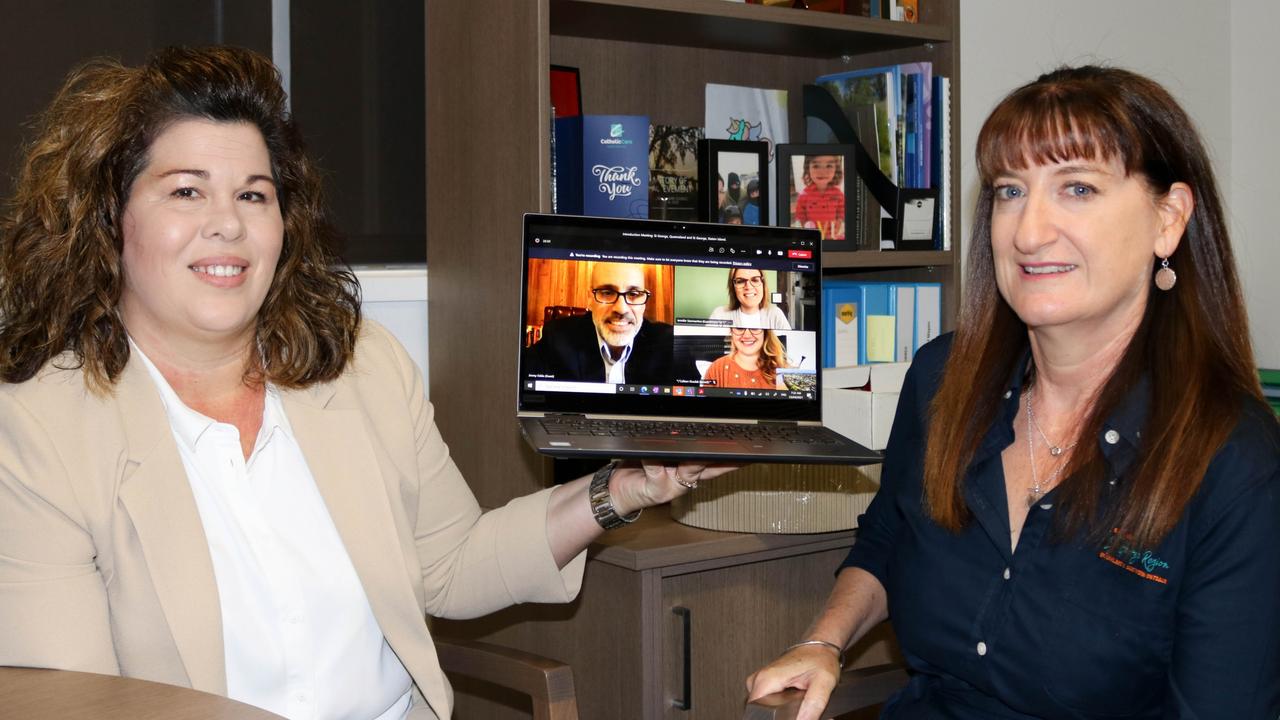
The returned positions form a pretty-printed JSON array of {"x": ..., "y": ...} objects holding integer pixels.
[{"x": 613, "y": 343}]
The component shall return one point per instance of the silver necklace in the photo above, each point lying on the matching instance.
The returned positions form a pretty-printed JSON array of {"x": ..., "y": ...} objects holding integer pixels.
[
  {"x": 1037, "y": 490},
  {"x": 1054, "y": 450}
]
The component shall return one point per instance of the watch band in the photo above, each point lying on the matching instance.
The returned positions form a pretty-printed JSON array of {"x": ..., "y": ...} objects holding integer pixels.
[{"x": 602, "y": 502}]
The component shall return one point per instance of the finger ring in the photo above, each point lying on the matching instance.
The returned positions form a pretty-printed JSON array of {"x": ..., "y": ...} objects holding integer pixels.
[{"x": 689, "y": 484}]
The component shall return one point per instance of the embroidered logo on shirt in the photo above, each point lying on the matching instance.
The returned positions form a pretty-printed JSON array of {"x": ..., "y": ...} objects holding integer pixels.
[{"x": 1120, "y": 552}]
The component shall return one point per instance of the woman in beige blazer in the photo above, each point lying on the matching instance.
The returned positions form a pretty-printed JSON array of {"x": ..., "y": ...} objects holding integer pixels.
[{"x": 167, "y": 246}]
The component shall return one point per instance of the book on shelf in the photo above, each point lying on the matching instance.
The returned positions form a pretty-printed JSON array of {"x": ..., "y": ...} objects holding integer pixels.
[
  {"x": 736, "y": 112},
  {"x": 566, "y": 164},
  {"x": 673, "y": 172},
  {"x": 871, "y": 95},
  {"x": 897, "y": 10},
  {"x": 876, "y": 88},
  {"x": 941, "y": 151},
  {"x": 918, "y": 116},
  {"x": 899, "y": 177},
  {"x": 566, "y": 140}
]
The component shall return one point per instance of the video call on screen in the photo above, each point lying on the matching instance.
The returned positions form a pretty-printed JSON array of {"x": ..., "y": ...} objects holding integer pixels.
[{"x": 702, "y": 311}]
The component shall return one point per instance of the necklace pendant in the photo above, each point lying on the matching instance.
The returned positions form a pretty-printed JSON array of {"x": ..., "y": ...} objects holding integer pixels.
[{"x": 1055, "y": 451}]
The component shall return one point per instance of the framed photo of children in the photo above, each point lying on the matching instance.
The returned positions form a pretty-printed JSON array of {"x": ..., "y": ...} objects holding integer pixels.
[
  {"x": 733, "y": 182},
  {"x": 813, "y": 184}
]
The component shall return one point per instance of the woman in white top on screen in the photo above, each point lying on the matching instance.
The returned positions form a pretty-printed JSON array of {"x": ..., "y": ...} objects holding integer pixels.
[{"x": 749, "y": 305}]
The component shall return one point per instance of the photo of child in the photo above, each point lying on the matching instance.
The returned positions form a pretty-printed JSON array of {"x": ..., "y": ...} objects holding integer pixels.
[{"x": 817, "y": 194}]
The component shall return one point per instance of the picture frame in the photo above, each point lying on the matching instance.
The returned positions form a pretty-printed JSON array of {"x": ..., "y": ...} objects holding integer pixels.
[
  {"x": 747, "y": 162},
  {"x": 825, "y": 204}
]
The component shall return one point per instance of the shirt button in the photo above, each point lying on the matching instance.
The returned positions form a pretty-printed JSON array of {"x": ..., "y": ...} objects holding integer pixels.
[
  {"x": 1007, "y": 574},
  {"x": 1007, "y": 394},
  {"x": 982, "y": 648},
  {"x": 1111, "y": 436}
]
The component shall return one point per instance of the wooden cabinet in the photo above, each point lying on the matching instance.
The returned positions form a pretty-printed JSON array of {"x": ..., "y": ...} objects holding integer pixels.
[
  {"x": 672, "y": 619},
  {"x": 488, "y": 161}
]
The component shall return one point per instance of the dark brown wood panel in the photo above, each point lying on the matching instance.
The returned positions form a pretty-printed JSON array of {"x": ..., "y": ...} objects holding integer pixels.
[
  {"x": 486, "y": 81},
  {"x": 718, "y": 25},
  {"x": 740, "y": 617},
  {"x": 602, "y": 635}
]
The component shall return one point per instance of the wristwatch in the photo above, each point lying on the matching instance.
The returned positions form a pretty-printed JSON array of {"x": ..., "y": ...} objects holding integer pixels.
[{"x": 602, "y": 502}]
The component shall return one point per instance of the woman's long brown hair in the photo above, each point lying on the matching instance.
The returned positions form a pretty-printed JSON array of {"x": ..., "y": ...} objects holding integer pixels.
[
  {"x": 772, "y": 355},
  {"x": 1192, "y": 344},
  {"x": 60, "y": 233}
]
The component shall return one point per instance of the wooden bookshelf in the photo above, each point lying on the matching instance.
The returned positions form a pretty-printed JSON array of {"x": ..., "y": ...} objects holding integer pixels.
[{"x": 488, "y": 161}]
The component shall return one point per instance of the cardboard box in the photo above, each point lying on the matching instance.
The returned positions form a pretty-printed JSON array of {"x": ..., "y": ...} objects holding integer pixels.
[{"x": 859, "y": 402}]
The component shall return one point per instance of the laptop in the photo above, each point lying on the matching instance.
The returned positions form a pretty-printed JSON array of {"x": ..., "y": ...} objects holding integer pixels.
[{"x": 673, "y": 341}]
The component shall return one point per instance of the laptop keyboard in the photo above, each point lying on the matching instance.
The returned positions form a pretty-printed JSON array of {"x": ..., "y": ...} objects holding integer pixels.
[{"x": 669, "y": 430}]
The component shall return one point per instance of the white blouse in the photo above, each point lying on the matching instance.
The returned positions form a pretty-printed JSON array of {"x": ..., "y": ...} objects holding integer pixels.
[
  {"x": 299, "y": 637},
  {"x": 771, "y": 318}
]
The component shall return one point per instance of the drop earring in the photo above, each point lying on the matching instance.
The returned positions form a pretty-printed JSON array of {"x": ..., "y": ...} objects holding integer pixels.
[{"x": 1166, "y": 278}]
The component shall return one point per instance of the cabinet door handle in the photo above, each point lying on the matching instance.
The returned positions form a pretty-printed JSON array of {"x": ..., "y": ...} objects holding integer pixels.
[{"x": 685, "y": 701}]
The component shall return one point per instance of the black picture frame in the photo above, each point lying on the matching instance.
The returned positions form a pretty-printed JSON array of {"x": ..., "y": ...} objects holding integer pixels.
[
  {"x": 724, "y": 159},
  {"x": 839, "y": 233}
]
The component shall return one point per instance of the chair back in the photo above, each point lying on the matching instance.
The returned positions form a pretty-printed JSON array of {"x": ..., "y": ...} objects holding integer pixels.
[{"x": 548, "y": 683}]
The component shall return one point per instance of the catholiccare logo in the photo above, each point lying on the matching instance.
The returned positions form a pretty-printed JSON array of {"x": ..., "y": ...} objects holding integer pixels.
[
  {"x": 615, "y": 136},
  {"x": 1120, "y": 551}
]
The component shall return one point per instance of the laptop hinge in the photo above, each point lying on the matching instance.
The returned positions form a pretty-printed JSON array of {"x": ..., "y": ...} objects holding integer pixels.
[
  {"x": 779, "y": 423},
  {"x": 562, "y": 415}
]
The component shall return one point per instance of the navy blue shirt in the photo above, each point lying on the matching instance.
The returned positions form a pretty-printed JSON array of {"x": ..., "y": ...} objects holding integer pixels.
[{"x": 1189, "y": 628}]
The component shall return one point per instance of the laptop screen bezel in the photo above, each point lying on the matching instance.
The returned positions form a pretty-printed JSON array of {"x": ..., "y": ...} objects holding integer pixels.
[{"x": 735, "y": 408}]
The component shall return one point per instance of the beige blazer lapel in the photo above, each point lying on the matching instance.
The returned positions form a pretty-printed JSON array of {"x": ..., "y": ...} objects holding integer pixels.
[
  {"x": 344, "y": 462},
  {"x": 157, "y": 495}
]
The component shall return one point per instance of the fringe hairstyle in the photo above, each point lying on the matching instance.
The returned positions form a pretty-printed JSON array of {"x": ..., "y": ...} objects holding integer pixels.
[
  {"x": 835, "y": 180},
  {"x": 1192, "y": 342},
  {"x": 60, "y": 233}
]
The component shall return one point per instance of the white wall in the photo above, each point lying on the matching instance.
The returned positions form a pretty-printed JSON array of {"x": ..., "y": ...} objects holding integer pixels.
[
  {"x": 1251, "y": 191},
  {"x": 396, "y": 297},
  {"x": 1214, "y": 57}
]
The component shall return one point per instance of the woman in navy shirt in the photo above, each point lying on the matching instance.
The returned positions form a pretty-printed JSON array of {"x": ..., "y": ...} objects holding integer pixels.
[{"x": 1079, "y": 514}]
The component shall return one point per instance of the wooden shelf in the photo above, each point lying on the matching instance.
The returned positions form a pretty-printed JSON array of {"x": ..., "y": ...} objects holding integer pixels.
[
  {"x": 720, "y": 25},
  {"x": 887, "y": 259}
]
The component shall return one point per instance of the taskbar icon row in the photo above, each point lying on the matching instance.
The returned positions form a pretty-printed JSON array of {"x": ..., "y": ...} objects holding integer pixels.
[{"x": 710, "y": 391}]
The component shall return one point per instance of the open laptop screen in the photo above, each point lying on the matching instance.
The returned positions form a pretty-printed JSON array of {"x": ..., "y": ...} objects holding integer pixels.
[{"x": 671, "y": 319}]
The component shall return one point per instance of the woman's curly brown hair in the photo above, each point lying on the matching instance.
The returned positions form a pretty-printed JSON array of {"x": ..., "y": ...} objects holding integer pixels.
[{"x": 60, "y": 234}]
